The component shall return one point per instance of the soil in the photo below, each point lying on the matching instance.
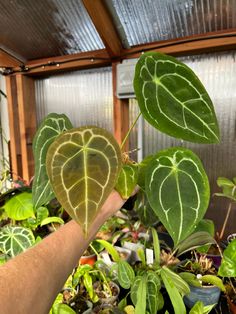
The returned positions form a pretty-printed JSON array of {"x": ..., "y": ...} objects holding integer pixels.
[{"x": 104, "y": 294}]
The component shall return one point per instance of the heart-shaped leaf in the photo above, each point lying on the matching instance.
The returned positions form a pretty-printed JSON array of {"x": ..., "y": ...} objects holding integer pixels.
[
  {"x": 14, "y": 240},
  {"x": 83, "y": 165},
  {"x": 178, "y": 190},
  {"x": 53, "y": 125},
  {"x": 228, "y": 264},
  {"x": 173, "y": 100},
  {"x": 127, "y": 180},
  {"x": 20, "y": 206}
]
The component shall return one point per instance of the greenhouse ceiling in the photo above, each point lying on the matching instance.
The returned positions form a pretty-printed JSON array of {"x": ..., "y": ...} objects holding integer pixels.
[{"x": 32, "y": 29}]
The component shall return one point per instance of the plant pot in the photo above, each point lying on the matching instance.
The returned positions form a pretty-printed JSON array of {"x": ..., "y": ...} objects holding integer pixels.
[
  {"x": 207, "y": 294},
  {"x": 125, "y": 254},
  {"x": 91, "y": 259},
  {"x": 134, "y": 249},
  {"x": 104, "y": 299},
  {"x": 232, "y": 306}
]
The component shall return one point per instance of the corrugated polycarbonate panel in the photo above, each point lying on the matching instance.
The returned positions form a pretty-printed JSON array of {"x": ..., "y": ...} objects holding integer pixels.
[
  {"x": 154, "y": 20},
  {"x": 84, "y": 96},
  {"x": 217, "y": 73},
  {"x": 36, "y": 29}
]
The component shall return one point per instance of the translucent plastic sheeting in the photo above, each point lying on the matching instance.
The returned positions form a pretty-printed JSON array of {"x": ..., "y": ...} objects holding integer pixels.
[
  {"x": 154, "y": 20},
  {"x": 35, "y": 29},
  {"x": 217, "y": 73},
  {"x": 84, "y": 96}
]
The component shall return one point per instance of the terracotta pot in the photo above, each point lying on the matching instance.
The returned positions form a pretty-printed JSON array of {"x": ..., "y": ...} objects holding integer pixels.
[
  {"x": 91, "y": 259},
  {"x": 232, "y": 306},
  {"x": 207, "y": 294}
]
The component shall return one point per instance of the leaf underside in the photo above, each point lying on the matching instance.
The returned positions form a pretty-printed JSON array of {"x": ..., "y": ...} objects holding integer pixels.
[
  {"x": 173, "y": 100},
  {"x": 53, "y": 125},
  {"x": 127, "y": 180},
  {"x": 83, "y": 165},
  {"x": 178, "y": 190}
]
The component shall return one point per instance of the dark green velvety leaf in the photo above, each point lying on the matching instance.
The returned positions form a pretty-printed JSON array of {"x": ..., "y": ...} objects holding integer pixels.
[
  {"x": 173, "y": 100},
  {"x": 177, "y": 188},
  {"x": 14, "y": 240},
  {"x": 145, "y": 212},
  {"x": 195, "y": 240},
  {"x": 20, "y": 206},
  {"x": 208, "y": 226},
  {"x": 127, "y": 180},
  {"x": 142, "y": 171},
  {"x": 53, "y": 125},
  {"x": 228, "y": 264},
  {"x": 83, "y": 165}
]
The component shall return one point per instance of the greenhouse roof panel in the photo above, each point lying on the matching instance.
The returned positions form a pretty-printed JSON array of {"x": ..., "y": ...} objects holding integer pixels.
[
  {"x": 154, "y": 20},
  {"x": 36, "y": 29}
]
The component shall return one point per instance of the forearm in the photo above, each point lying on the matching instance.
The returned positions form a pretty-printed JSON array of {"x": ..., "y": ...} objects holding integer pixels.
[{"x": 30, "y": 282}]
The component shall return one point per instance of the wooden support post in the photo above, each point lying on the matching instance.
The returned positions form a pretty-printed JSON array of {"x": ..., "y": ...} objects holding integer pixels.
[
  {"x": 27, "y": 122},
  {"x": 120, "y": 113},
  {"x": 15, "y": 146}
]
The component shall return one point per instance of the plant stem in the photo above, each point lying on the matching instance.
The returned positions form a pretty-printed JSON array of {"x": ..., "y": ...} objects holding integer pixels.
[
  {"x": 227, "y": 216},
  {"x": 225, "y": 221},
  {"x": 130, "y": 129}
]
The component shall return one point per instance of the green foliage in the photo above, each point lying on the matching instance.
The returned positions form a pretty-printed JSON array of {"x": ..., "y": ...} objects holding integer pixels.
[
  {"x": 199, "y": 308},
  {"x": 173, "y": 100},
  {"x": 228, "y": 263},
  {"x": 174, "y": 294},
  {"x": 213, "y": 280},
  {"x": 110, "y": 249},
  {"x": 145, "y": 212},
  {"x": 20, "y": 206},
  {"x": 139, "y": 293},
  {"x": 127, "y": 180},
  {"x": 192, "y": 242},
  {"x": 190, "y": 279},
  {"x": 53, "y": 219},
  {"x": 177, "y": 188},
  {"x": 142, "y": 171},
  {"x": 14, "y": 240},
  {"x": 208, "y": 226},
  {"x": 228, "y": 188},
  {"x": 126, "y": 274},
  {"x": 53, "y": 125},
  {"x": 83, "y": 165}
]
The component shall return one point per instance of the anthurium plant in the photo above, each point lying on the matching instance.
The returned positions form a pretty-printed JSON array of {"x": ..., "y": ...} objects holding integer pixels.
[{"x": 80, "y": 166}]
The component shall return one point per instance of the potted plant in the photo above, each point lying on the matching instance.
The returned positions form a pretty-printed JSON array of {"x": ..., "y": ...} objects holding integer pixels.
[
  {"x": 146, "y": 278},
  {"x": 228, "y": 269},
  {"x": 81, "y": 166},
  {"x": 204, "y": 284}
]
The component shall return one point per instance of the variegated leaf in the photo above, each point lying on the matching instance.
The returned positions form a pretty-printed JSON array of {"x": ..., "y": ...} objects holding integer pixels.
[
  {"x": 125, "y": 274},
  {"x": 127, "y": 180},
  {"x": 173, "y": 100},
  {"x": 154, "y": 298},
  {"x": 53, "y": 125},
  {"x": 178, "y": 190},
  {"x": 83, "y": 165},
  {"x": 14, "y": 240}
]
